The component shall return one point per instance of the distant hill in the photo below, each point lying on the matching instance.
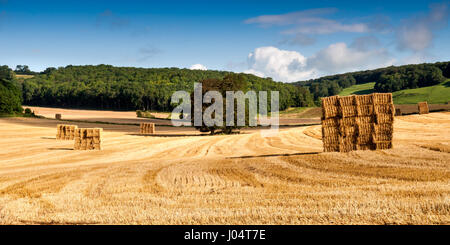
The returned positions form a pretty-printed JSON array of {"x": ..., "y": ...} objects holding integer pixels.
[
  {"x": 388, "y": 79},
  {"x": 437, "y": 94}
]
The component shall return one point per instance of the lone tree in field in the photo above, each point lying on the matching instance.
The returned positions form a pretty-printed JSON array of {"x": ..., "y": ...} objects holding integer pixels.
[{"x": 231, "y": 82}]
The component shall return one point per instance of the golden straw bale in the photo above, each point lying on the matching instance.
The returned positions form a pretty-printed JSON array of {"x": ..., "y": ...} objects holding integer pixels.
[
  {"x": 330, "y": 131},
  {"x": 365, "y": 128},
  {"x": 423, "y": 107},
  {"x": 384, "y": 145},
  {"x": 382, "y": 137},
  {"x": 330, "y": 122},
  {"x": 331, "y": 140},
  {"x": 364, "y": 100},
  {"x": 347, "y": 100},
  {"x": 382, "y": 98},
  {"x": 349, "y": 111},
  {"x": 385, "y": 128},
  {"x": 347, "y": 121},
  {"x": 357, "y": 122},
  {"x": 330, "y": 107},
  {"x": 365, "y": 110},
  {"x": 384, "y": 109},
  {"x": 331, "y": 148},
  {"x": 384, "y": 118},
  {"x": 364, "y": 139},
  {"x": 365, "y": 119},
  {"x": 364, "y": 147},
  {"x": 349, "y": 131}
]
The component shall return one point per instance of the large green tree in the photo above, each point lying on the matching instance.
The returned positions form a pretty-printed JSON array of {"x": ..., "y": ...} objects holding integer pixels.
[{"x": 10, "y": 94}]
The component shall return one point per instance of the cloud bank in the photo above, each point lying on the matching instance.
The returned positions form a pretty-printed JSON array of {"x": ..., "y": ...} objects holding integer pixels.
[
  {"x": 416, "y": 34},
  {"x": 290, "y": 66},
  {"x": 198, "y": 67}
]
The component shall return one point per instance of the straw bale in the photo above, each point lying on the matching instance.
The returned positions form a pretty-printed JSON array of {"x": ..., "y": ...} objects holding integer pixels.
[
  {"x": 330, "y": 122},
  {"x": 365, "y": 128},
  {"x": 349, "y": 131},
  {"x": 384, "y": 145},
  {"x": 347, "y": 121},
  {"x": 330, "y": 107},
  {"x": 330, "y": 131},
  {"x": 364, "y": 139},
  {"x": 349, "y": 111},
  {"x": 365, "y": 120},
  {"x": 357, "y": 122},
  {"x": 384, "y": 118},
  {"x": 423, "y": 107},
  {"x": 365, "y": 110},
  {"x": 331, "y": 140},
  {"x": 364, "y": 100},
  {"x": 382, "y": 98},
  {"x": 347, "y": 100},
  {"x": 331, "y": 147},
  {"x": 384, "y": 109},
  {"x": 385, "y": 128},
  {"x": 365, "y": 147},
  {"x": 382, "y": 137}
]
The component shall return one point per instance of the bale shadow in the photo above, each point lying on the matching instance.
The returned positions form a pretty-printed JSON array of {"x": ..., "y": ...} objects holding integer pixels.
[
  {"x": 60, "y": 149},
  {"x": 276, "y": 155}
]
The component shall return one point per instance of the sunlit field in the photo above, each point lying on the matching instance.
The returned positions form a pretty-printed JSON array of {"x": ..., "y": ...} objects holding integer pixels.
[{"x": 181, "y": 177}]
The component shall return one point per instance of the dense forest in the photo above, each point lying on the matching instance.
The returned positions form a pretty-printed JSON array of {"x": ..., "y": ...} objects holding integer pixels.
[
  {"x": 388, "y": 79},
  {"x": 128, "y": 88},
  {"x": 10, "y": 95}
]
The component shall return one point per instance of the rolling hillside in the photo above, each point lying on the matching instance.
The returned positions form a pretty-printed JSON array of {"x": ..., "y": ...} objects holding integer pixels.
[{"x": 437, "y": 94}]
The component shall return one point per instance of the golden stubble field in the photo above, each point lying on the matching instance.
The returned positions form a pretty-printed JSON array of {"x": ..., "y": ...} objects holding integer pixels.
[{"x": 235, "y": 179}]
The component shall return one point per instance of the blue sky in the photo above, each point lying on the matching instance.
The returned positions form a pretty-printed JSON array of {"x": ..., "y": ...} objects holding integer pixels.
[{"x": 285, "y": 40}]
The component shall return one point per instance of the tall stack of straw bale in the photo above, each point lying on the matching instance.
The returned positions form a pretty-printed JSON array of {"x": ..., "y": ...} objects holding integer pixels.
[
  {"x": 65, "y": 132},
  {"x": 423, "y": 107},
  {"x": 88, "y": 139},
  {"x": 147, "y": 128},
  {"x": 357, "y": 122}
]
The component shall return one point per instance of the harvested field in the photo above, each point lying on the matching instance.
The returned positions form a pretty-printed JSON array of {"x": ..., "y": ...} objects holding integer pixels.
[{"x": 178, "y": 177}]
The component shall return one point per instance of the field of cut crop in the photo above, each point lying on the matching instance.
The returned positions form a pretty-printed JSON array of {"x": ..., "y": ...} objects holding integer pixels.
[{"x": 181, "y": 177}]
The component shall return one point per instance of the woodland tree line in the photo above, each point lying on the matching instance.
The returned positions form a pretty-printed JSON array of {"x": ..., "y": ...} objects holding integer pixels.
[
  {"x": 388, "y": 79},
  {"x": 128, "y": 88}
]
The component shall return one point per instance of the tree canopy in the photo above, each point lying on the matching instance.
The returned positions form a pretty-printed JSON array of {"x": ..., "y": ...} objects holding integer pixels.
[
  {"x": 129, "y": 88},
  {"x": 10, "y": 94}
]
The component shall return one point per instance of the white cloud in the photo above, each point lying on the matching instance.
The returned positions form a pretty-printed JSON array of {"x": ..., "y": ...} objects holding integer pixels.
[
  {"x": 338, "y": 58},
  {"x": 279, "y": 64},
  {"x": 198, "y": 67},
  {"x": 416, "y": 34},
  {"x": 290, "y": 66},
  {"x": 308, "y": 22}
]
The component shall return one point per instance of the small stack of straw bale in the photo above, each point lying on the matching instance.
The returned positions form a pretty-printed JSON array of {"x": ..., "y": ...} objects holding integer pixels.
[
  {"x": 147, "y": 128},
  {"x": 58, "y": 116},
  {"x": 65, "y": 132},
  {"x": 423, "y": 107},
  {"x": 357, "y": 122},
  {"x": 88, "y": 139}
]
